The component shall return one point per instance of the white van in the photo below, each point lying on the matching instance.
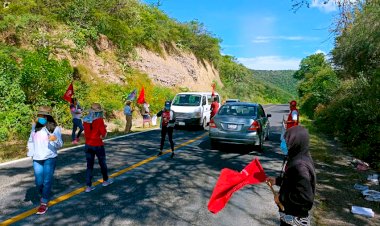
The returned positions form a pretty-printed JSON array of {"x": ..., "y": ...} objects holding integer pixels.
[{"x": 193, "y": 108}]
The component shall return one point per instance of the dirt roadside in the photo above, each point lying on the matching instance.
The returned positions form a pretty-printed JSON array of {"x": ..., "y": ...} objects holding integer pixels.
[{"x": 336, "y": 177}]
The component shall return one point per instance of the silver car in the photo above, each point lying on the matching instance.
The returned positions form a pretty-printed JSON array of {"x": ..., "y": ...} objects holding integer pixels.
[{"x": 240, "y": 123}]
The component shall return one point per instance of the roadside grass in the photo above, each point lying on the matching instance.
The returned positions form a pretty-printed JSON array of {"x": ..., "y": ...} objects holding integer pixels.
[{"x": 336, "y": 177}]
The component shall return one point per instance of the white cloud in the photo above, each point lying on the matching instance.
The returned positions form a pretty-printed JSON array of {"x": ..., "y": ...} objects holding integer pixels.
[
  {"x": 266, "y": 39},
  {"x": 320, "y": 51},
  {"x": 324, "y": 5},
  {"x": 270, "y": 63}
]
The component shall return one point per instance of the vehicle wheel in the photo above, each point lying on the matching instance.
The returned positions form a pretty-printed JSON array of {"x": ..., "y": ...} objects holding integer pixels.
[
  {"x": 214, "y": 144},
  {"x": 267, "y": 135},
  {"x": 260, "y": 147},
  {"x": 204, "y": 124}
]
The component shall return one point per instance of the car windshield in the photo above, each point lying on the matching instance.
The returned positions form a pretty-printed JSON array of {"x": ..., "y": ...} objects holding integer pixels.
[
  {"x": 238, "y": 110},
  {"x": 187, "y": 100}
]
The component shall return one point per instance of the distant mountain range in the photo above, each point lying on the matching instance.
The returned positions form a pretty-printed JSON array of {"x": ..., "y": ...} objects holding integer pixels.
[{"x": 281, "y": 79}]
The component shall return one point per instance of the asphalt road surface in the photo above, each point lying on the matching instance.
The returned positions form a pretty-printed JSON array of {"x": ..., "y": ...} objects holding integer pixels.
[{"x": 148, "y": 190}]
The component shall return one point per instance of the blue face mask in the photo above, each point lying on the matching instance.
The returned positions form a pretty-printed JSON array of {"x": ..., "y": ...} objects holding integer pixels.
[
  {"x": 284, "y": 147},
  {"x": 42, "y": 121}
]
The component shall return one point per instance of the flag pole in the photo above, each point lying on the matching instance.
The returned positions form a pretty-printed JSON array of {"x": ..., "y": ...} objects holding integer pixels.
[{"x": 275, "y": 193}]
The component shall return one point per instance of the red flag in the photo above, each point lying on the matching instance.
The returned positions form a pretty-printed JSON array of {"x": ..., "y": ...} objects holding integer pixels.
[
  {"x": 230, "y": 181},
  {"x": 141, "y": 98},
  {"x": 69, "y": 93}
]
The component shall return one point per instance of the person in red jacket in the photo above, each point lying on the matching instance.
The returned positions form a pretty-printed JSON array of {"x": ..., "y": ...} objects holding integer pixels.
[
  {"x": 94, "y": 133},
  {"x": 214, "y": 107},
  {"x": 293, "y": 117},
  {"x": 167, "y": 126}
]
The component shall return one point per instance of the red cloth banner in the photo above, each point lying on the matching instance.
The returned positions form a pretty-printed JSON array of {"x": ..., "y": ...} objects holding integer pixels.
[
  {"x": 231, "y": 181},
  {"x": 69, "y": 93},
  {"x": 141, "y": 98}
]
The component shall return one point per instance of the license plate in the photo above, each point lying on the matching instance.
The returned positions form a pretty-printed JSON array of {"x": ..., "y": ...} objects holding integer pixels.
[
  {"x": 181, "y": 123},
  {"x": 231, "y": 126}
]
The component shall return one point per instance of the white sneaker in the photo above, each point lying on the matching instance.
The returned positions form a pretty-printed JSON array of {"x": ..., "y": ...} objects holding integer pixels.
[
  {"x": 89, "y": 189},
  {"x": 107, "y": 182}
]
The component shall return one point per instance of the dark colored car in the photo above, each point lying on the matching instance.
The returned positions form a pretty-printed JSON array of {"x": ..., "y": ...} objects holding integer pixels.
[{"x": 240, "y": 123}]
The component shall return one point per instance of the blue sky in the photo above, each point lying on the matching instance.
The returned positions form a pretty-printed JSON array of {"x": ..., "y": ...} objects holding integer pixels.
[{"x": 262, "y": 35}]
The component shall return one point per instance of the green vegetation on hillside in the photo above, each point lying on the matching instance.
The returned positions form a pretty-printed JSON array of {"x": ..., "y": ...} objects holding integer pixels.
[
  {"x": 281, "y": 79},
  {"x": 343, "y": 96},
  {"x": 36, "y": 36},
  {"x": 244, "y": 84}
]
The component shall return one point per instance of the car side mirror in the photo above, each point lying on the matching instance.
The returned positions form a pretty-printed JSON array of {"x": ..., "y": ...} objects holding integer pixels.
[{"x": 269, "y": 115}]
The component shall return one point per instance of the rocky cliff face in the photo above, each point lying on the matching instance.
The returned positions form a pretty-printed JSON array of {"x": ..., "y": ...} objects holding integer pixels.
[{"x": 178, "y": 69}]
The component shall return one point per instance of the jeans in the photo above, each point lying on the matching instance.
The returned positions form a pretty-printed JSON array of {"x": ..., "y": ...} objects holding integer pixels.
[
  {"x": 100, "y": 153},
  {"x": 77, "y": 123},
  {"x": 43, "y": 173},
  {"x": 169, "y": 131}
]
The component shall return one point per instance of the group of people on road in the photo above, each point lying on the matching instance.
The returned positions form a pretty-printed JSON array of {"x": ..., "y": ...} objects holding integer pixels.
[
  {"x": 45, "y": 139},
  {"x": 297, "y": 179}
]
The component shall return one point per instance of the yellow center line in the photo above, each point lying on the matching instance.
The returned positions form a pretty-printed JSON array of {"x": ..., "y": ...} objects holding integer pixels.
[{"x": 80, "y": 190}]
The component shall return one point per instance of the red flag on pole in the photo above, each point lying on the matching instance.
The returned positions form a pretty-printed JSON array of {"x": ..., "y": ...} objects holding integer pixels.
[
  {"x": 69, "y": 93},
  {"x": 230, "y": 181},
  {"x": 141, "y": 98}
]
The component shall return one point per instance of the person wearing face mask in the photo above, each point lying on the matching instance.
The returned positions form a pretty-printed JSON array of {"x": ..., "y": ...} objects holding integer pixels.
[
  {"x": 293, "y": 117},
  {"x": 94, "y": 132},
  {"x": 297, "y": 180},
  {"x": 44, "y": 141},
  {"x": 167, "y": 126}
]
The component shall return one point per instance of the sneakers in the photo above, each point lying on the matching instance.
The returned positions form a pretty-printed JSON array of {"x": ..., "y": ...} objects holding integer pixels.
[
  {"x": 89, "y": 189},
  {"x": 172, "y": 155},
  {"x": 42, "y": 209},
  {"x": 159, "y": 153},
  {"x": 76, "y": 141},
  {"x": 107, "y": 182}
]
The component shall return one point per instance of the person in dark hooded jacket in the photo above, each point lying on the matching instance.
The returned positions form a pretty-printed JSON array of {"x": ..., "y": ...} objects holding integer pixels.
[{"x": 298, "y": 179}]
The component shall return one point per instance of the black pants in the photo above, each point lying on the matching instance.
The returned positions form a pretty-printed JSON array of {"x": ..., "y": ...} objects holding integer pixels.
[
  {"x": 90, "y": 157},
  {"x": 169, "y": 131}
]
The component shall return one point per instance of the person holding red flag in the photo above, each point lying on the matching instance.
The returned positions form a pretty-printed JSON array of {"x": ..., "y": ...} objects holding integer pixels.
[
  {"x": 293, "y": 117},
  {"x": 297, "y": 181},
  {"x": 76, "y": 112}
]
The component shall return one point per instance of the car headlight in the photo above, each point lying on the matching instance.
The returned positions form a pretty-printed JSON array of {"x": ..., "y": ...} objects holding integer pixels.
[{"x": 197, "y": 114}]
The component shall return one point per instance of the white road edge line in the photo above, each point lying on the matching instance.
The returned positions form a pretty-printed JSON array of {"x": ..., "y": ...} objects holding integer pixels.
[{"x": 74, "y": 147}]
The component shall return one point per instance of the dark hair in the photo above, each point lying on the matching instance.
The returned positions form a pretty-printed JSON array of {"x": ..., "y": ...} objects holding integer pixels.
[{"x": 50, "y": 125}]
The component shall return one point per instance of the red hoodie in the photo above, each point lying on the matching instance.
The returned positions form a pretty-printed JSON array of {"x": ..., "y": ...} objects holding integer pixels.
[{"x": 94, "y": 132}]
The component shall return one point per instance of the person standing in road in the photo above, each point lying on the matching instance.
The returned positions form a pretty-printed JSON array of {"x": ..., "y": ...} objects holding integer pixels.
[
  {"x": 167, "y": 126},
  {"x": 297, "y": 181},
  {"x": 214, "y": 107},
  {"x": 293, "y": 117},
  {"x": 146, "y": 114},
  {"x": 94, "y": 132},
  {"x": 44, "y": 141},
  {"x": 76, "y": 112},
  {"x": 128, "y": 116}
]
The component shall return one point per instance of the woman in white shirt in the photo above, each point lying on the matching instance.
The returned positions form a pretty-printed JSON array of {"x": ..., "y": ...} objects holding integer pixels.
[{"x": 44, "y": 141}]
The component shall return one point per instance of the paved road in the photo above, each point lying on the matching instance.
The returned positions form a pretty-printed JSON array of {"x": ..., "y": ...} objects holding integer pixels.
[{"x": 147, "y": 190}]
